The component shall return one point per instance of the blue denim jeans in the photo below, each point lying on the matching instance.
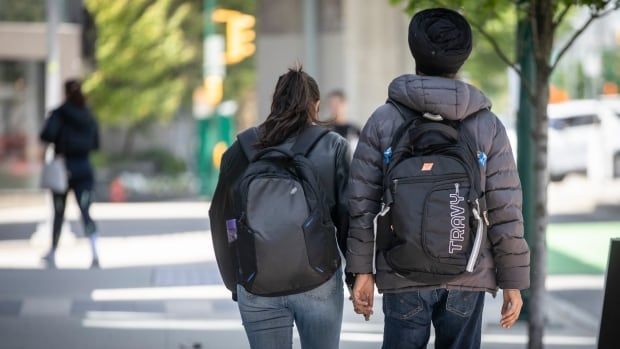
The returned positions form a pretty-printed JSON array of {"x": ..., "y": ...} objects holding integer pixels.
[
  {"x": 456, "y": 316},
  {"x": 268, "y": 321}
]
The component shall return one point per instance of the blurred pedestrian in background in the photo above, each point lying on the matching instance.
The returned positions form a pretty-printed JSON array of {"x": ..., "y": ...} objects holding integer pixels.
[
  {"x": 74, "y": 133},
  {"x": 337, "y": 105}
]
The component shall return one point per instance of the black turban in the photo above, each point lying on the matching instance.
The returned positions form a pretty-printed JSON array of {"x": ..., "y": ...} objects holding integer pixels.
[{"x": 440, "y": 41}]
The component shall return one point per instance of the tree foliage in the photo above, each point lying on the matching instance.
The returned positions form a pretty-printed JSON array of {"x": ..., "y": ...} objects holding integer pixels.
[
  {"x": 141, "y": 55},
  {"x": 149, "y": 58}
]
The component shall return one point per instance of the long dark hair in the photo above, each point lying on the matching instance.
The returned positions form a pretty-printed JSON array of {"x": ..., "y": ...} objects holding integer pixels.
[
  {"x": 293, "y": 107},
  {"x": 73, "y": 93}
]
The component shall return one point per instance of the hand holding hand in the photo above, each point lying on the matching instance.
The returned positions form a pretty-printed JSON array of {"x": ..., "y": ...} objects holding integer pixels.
[{"x": 363, "y": 294}]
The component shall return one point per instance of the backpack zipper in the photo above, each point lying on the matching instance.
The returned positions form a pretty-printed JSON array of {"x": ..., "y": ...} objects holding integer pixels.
[{"x": 426, "y": 179}]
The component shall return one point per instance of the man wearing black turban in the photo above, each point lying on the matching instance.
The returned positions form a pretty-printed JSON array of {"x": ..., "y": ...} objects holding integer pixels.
[{"x": 440, "y": 41}]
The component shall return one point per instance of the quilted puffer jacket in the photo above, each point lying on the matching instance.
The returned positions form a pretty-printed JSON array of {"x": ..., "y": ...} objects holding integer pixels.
[{"x": 505, "y": 256}]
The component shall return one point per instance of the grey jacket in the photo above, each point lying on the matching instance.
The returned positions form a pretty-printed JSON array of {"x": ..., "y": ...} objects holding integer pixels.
[{"x": 505, "y": 256}]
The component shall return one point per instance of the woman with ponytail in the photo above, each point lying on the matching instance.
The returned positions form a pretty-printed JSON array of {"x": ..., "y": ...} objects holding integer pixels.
[{"x": 316, "y": 311}]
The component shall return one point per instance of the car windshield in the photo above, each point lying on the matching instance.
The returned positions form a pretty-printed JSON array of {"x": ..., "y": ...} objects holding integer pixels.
[{"x": 573, "y": 121}]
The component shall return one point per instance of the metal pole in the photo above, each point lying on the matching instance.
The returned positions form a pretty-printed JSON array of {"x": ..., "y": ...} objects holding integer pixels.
[
  {"x": 209, "y": 26},
  {"x": 53, "y": 96},
  {"x": 310, "y": 10},
  {"x": 52, "y": 71},
  {"x": 203, "y": 158}
]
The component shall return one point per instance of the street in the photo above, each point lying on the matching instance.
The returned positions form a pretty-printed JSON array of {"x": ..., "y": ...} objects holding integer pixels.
[{"x": 159, "y": 286}]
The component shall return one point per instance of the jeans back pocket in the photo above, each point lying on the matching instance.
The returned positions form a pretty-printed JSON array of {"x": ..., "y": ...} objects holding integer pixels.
[
  {"x": 462, "y": 303},
  {"x": 402, "y": 306}
]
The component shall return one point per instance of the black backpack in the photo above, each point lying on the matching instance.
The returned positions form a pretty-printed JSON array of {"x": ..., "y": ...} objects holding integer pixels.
[
  {"x": 433, "y": 220},
  {"x": 286, "y": 240}
]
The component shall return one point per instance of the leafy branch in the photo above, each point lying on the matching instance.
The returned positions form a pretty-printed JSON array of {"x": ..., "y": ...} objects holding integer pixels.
[{"x": 578, "y": 32}]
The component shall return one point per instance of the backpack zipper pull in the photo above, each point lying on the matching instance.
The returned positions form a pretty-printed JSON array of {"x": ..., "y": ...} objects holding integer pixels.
[
  {"x": 471, "y": 263},
  {"x": 375, "y": 222}
]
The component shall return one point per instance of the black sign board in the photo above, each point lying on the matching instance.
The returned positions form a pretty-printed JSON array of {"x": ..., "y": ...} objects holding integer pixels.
[{"x": 610, "y": 321}]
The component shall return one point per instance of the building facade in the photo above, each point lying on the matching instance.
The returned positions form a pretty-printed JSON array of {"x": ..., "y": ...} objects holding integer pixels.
[{"x": 352, "y": 45}]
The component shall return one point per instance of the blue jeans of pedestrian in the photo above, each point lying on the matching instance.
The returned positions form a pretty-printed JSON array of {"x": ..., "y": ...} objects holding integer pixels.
[
  {"x": 456, "y": 316},
  {"x": 268, "y": 321}
]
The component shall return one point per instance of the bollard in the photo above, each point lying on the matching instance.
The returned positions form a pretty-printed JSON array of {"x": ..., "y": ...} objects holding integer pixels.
[{"x": 608, "y": 336}]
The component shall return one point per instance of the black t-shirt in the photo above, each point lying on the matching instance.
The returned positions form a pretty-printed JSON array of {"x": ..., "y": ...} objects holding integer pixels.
[{"x": 346, "y": 130}]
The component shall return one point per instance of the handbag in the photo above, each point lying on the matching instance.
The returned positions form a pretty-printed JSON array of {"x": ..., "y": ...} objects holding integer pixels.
[{"x": 54, "y": 175}]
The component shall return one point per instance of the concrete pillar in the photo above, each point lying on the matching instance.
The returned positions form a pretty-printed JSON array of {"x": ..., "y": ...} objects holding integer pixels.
[
  {"x": 360, "y": 49},
  {"x": 375, "y": 52}
]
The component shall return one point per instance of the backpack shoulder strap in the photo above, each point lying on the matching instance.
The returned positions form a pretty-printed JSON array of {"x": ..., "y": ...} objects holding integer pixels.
[
  {"x": 409, "y": 116},
  {"x": 405, "y": 112},
  {"x": 308, "y": 139},
  {"x": 248, "y": 139}
]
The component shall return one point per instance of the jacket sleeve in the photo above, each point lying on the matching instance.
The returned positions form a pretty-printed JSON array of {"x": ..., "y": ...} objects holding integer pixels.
[
  {"x": 504, "y": 201},
  {"x": 223, "y": 208},
  {"x": 365, "y": 188},
  {"x": 51, "y": 128},
  {"x": 341, "y": 215}
]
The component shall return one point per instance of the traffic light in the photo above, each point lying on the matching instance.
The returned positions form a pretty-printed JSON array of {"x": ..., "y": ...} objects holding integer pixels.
[
  {"x": 214, "y": 90},
  {"x": 240, "y": 34}
]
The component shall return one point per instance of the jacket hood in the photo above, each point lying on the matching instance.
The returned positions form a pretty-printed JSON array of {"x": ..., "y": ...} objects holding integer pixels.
[
  {"x": 452, "y": 99},
  {"x": 76, "y": 115}
]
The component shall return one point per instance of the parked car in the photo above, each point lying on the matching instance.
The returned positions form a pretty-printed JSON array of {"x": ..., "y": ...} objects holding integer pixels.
[
  {"x": 613, "y": 133},
  {"x": 583, "y": 139}
]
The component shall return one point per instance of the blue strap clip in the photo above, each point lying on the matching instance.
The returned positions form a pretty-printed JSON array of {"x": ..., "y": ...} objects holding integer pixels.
[
  {"x": 482, "y": 158},
  {"x": 387, "y": 155}
]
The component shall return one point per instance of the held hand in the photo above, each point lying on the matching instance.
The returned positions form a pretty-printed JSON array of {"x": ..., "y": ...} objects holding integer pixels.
[
  {"x": 363, "y": 294},
  {"x": 511, "y": 308}
]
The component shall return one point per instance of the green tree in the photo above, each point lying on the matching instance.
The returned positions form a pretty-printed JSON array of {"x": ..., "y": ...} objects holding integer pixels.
[
  {"x": 142, "y": 61},
  {"x": 149, "y": 60},
  {"x": 484, "y": 68},
  {"x": 540, "y": 19}
]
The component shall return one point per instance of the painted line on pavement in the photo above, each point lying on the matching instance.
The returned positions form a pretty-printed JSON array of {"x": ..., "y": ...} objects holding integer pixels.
[
  {"x": 204, "y": 292},
  {"x": 575, "y": 282},
  {"x": 214, "y": 292},
  {"x": 120, "y": 211},
  {"x": 114, "y": 252}
]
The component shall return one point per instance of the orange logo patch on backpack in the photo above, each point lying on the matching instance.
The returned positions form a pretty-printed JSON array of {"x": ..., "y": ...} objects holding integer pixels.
[{"x": 427, "y": 166}]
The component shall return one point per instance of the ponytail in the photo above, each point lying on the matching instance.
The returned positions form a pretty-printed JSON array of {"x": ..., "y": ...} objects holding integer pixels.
[{"x": 293, "y": 108}]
